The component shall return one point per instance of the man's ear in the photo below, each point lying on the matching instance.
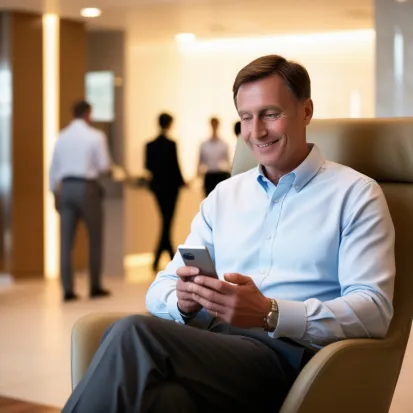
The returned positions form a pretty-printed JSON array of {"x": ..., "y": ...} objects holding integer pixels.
[{"x": 308, "y": 111}]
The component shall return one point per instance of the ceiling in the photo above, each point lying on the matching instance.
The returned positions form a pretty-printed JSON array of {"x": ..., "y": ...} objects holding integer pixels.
[{"x": 161, "y": 19}]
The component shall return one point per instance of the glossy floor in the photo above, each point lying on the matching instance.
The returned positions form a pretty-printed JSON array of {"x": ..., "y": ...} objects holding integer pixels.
[{"x": 35, "y": 337}]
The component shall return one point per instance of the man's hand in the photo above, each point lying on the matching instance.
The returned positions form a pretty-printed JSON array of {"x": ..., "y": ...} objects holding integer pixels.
[
  {"x": 185, "y": 301},
  {"x": 238, "y": 302}
]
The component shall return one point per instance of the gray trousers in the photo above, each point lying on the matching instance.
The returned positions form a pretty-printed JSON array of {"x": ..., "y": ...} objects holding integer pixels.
[
  {"x": 146, "y": 364},
  {"x": 80, "y": 200}
]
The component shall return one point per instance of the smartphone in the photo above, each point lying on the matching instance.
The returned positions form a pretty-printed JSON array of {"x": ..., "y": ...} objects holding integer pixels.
[{"x": 198, "y": 257}]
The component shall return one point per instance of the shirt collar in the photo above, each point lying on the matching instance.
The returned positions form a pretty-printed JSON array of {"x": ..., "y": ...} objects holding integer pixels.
[
  {"x": 79, "y": 121},
  {"x": 304, "y": 172}
]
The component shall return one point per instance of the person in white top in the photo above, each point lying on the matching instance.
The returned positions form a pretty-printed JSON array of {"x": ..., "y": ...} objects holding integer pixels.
[
  {"x": 80, "y": 156},
  {"x": 214, "y": 159}
]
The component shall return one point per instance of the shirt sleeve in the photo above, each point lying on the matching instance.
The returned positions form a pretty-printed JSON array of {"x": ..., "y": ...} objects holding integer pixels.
[
  {"x": 161, "y": 299},
  {"x": 366, "y": 272},
  {"x": 102, "y": 154},
  {"x": 54, "y": 171}
]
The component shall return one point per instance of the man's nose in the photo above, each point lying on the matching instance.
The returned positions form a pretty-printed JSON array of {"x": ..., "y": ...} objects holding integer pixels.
[{"x": 258, "y": 129}]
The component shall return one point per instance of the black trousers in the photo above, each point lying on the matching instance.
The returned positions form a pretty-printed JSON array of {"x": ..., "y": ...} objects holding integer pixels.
[
  {"x": 166, "y": 202},
  {"x": 146, "y": 364},
  {"x": 81, "y": 200},
  {"x": 212, "y": 179}
]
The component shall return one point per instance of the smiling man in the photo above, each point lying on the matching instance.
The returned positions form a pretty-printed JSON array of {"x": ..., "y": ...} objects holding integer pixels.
[{"x": 304, "y": 250}]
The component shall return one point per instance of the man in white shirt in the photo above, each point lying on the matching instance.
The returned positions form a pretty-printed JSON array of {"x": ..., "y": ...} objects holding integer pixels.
[
  {"x": 80, "y": 156},
  {"x": 304, "y": 251},
  {"x": 214, "y": 159}
]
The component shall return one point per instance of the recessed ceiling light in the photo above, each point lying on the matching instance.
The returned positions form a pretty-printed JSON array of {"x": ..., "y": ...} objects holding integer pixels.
[
  {"x": 185, "y": 37},
  {"x": 90, "y": 12}
]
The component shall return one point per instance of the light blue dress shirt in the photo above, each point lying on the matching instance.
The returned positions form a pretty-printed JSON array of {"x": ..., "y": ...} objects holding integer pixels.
[{"x": 321, "y": 243}]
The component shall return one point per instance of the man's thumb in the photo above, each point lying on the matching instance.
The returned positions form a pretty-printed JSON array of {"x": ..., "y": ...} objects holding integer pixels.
[{"x": 236, "y": 278}]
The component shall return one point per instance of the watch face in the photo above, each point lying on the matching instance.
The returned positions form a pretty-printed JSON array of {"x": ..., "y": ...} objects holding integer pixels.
[{"x": 272, "y": 321}]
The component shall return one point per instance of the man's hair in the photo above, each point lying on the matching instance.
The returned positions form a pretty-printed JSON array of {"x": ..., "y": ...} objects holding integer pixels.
[
  {"x": 81, "y": 108},
  {"x": 237, "y": 128},
  {"x": 295, "y": 76},
  {"x": 165, "y": 120}
]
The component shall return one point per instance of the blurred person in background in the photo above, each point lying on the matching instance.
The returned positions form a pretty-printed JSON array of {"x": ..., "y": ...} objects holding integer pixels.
[
  {"x": 162, "y": 161},
  {"x": 237, "y": 129},
  {"x": 214, "y": 160},
  {"x": 80, "y": 156}
]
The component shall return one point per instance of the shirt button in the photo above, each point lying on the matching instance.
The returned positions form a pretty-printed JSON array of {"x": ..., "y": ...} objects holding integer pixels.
[
  {"x": 276, "y": 201},
  {"x": 297, "y": 187},
  {"x": 262, "y": 272},
  {"x": 268, "y": 237}
]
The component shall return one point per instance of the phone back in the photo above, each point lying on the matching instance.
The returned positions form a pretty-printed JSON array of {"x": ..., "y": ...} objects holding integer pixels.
[{"x": 198, "y": 257}]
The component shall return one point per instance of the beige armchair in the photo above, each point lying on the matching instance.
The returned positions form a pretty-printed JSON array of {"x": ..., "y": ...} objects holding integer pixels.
[{"x": 352, "y": 375}]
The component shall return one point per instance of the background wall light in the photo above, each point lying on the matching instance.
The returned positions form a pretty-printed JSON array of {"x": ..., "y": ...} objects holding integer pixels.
[
  {"x": 185, "y": 37},
  {"x": 51, "y": 88},
  {"x": 90, "y": 12}
]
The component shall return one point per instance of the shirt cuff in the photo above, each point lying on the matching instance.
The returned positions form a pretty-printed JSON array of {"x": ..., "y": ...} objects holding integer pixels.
[
  {"x": 292, "y": 319},
  {"x": 172, "y": 306}
]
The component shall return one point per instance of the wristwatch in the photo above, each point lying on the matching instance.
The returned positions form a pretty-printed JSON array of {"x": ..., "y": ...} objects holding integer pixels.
[{"x": 271, "y": 319}]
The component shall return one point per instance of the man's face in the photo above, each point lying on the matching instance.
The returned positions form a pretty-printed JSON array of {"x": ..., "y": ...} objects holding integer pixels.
[{"x": 273, "y": 123}]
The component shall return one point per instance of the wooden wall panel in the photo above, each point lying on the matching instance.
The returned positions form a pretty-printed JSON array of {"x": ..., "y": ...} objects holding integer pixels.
[
  {"x": 73, "y": 63},
  {"x": 27, "y": 257}
]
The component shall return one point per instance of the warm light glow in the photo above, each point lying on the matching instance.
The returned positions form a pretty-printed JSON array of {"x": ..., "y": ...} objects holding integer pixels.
[
  {"x": 90, "y": 12},
  {"x": 355, "y": 104},
  {"x": 251, "y": 43},
  {"x": 137, "y": 267},
  {"x": 185, "y": 37},
  {"x": 50, "y": 132}
]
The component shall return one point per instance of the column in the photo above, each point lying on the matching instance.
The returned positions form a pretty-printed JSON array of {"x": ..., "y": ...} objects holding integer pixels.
[{"x": 394, "y": 58}]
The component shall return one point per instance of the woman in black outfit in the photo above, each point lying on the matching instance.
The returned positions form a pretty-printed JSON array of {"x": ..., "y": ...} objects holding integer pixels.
[{"x": 162, "y": 162}]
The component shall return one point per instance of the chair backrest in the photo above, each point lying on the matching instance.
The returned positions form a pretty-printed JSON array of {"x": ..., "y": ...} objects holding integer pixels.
[{"x": 383, "y": 150}]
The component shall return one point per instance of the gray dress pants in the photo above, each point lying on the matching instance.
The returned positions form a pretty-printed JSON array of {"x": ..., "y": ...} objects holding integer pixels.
[
  {"x": 80, "y": 200},
  {"x": 146, "y": 364}
]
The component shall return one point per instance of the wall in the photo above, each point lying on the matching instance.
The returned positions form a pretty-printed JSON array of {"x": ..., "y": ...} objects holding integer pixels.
[
  {"x": 194, "y": 81},
  {"x": 27, "y": 145},
  {"x": 394, "y": 58},
  {"x": 105, "y": 51}
]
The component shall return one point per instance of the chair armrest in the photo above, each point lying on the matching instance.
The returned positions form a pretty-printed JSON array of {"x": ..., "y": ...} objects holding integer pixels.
[
  {"x": 87, "y": 334},
  {"x": 357, "y": 375}
]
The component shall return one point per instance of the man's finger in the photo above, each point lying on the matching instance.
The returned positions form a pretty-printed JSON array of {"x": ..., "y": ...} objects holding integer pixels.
[
  {"x": 212, "y": 308},
  {"x": 213, "y": 284},
  {"x": 236, "y": 278},
  {"x": 183, "y": 295},
  {"x": 185, "y": 272},
  {"x": 207, "y": 293}
]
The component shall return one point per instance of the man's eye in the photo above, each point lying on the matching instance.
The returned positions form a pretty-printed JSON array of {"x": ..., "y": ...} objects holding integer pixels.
[
  {"x": 246, "y": 118},
  {"x": 271, "y": 115}
]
